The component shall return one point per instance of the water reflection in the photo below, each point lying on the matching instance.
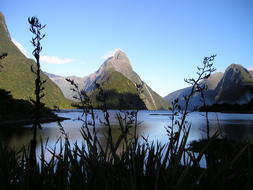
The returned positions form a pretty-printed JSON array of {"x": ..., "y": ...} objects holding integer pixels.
[{"x": 153, "y": 123}]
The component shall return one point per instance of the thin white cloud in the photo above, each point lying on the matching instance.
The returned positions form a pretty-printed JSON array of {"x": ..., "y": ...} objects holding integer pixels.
[
  {"x": 54, "y": 60},
  {"x": 43, "y": 58},
  {"x": 250, "y": 69},
  {"x": 110, "y": 53},
  {"x": 20, "y": 47}
]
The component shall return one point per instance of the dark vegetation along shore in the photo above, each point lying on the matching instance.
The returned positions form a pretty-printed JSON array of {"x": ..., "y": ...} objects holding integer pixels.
[
  {"x": 20, "y": 112},
  {"x": 229, "y": 108},
  {"x": 123, "y": 162}
]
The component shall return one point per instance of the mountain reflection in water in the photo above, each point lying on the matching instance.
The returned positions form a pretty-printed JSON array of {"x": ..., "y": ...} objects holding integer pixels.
[{"x": 152, "y": 125}]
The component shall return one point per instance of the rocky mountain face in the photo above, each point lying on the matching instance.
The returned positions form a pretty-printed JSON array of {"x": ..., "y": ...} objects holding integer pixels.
[
  {"x": 123, "y": 96},
  {"x": 65, "y": 86},
  {"x": 233, "y": 87},
  {"x": 16, "y": 75},
  {"x": 119, "y": 63},
  {"x": 196, "y": 100}
]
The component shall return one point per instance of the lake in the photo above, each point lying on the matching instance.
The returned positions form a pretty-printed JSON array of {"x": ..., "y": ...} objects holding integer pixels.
[{"x": 153, "y": 125}]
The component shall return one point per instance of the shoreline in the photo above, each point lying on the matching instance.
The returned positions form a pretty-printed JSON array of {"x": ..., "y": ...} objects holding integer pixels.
[
  {"x": 28, "y": 121},
  {"x": 232, "y": 111}
]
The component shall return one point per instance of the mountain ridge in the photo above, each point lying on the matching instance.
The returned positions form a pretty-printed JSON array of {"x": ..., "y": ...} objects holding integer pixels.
[
  {"x": 234, "y": 86},
  {"x": 16, "y": 75},
  {"x": 119, "y": 62}
]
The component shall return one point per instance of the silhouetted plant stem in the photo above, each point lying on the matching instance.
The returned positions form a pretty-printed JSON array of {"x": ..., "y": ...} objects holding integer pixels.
[
  {"x": 207, "y": 65},
  {"x": 138, "y": 166},
  {"x": 35, "y": 28},
  {"x": 203, "y": 73},
  {"x": 178, "y": 139}
]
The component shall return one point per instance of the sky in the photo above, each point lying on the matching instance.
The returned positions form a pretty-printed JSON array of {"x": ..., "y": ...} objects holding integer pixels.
[{"x": 165, "y": 40}]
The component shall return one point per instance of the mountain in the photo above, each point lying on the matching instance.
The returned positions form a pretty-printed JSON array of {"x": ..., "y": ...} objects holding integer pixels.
[
  {"x": 233, "y": 87},
  {"x": 251, "y": 71},
  {"x": 16, "y": 75},
  {"x": 117, "y": 70},
  {"x": 211, "y": 82},
  {"x": 123, "y": 96},
  {"x": 119, "y": 62},
  {"x": 65, "y": 86}
]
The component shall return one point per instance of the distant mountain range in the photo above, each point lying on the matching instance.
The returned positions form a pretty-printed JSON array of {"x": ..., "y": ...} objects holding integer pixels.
[
  {"x": 16, "y": 75},
  {"x": 119, "y": 82},
  {"x": 65, "y": 86},
  {"x": 234, "y": 86},
  {"x": 117, "y": 78}
]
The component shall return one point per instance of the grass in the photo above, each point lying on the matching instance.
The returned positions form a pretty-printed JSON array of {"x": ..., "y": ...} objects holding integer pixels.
[{"x": 123, "y": 163}]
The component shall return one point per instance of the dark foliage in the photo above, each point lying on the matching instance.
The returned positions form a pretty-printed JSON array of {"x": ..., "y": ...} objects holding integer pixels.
[
  {"x": 231, "y": 163},
  {"x": 18, "y": 109},
  {"x": 123, "y": 162},
  {"x": 122, "y": 100},
  {"x": 225, "y": 107}
]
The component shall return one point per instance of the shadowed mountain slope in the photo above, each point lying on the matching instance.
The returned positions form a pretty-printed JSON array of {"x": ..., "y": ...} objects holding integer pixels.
[
  {"x": 119, "y": 63},
  {"x": 195, "y": 101},
  {"x": 233, "y": 87},
  {"x": 16, "y": 75}
]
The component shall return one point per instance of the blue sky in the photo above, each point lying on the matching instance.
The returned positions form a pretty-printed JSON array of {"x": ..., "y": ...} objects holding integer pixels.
[{"x": 165, "y": 40}]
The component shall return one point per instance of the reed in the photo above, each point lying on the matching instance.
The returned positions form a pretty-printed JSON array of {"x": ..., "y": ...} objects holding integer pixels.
[{"x": 124, "y": 163}]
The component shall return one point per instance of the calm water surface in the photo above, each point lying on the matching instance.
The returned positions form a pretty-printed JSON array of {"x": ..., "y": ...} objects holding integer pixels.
[{"x": 153, "y": 124}]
